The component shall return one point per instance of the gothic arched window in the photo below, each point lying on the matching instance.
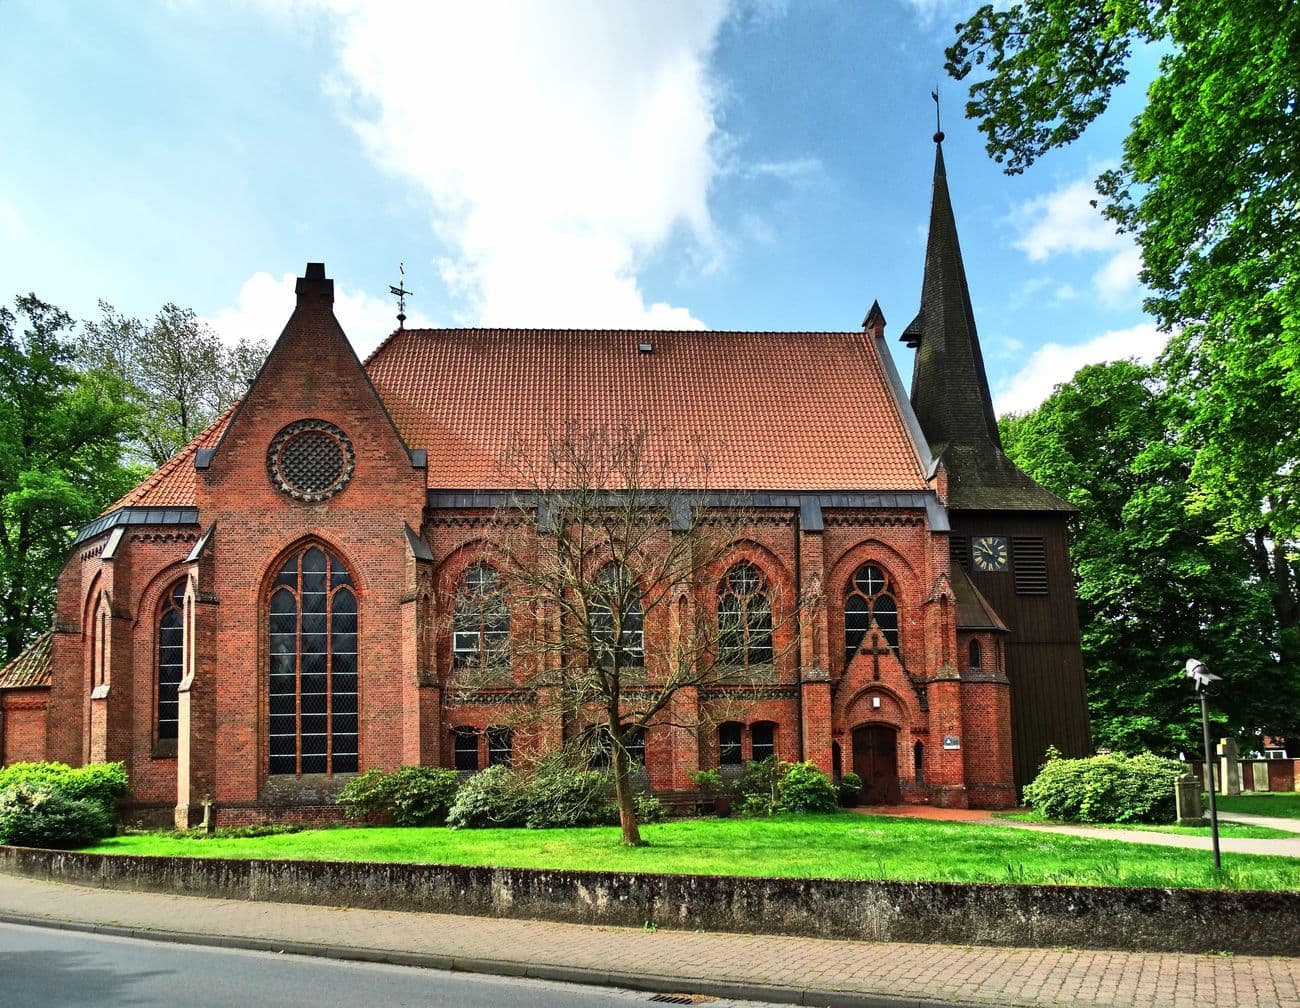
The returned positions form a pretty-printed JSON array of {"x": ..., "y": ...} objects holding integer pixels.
[
  {"x": 744, "y": 618},
  {"x": 480, "y": 629},
  {"x": 614, "y": 592},
  {"x": 870, "y": 594},
  {"x": 313, "y": 666},
  {"x": 171, "y": 659}
]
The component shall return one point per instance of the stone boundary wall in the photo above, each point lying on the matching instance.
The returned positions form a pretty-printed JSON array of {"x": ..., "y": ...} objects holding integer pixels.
[{"x": 1164, "y": 920}]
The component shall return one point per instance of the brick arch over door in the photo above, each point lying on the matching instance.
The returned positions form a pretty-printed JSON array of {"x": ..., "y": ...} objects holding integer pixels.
[{"x": 312, "y": 662}]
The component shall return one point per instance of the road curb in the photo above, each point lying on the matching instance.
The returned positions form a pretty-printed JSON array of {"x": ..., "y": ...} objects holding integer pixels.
[{"x": 737, "y": 990}]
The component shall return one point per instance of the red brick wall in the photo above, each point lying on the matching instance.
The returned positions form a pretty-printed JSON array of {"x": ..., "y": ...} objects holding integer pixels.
[
  {"x": 311, "y": 374},
  {"x": 22, "y": 725},
  {"x": 813, "y": 696}
]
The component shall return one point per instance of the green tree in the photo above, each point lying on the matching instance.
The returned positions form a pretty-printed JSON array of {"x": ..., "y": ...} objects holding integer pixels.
[
  {"x": 177, "y": 371},
  {"x": 61, "y": 439},
  {"x": 1155, "y": 586},
  {"x": 1207, "y": 185}
]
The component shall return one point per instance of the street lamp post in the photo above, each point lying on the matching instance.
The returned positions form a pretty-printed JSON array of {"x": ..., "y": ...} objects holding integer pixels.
[{"x": 1203, "y": 681}]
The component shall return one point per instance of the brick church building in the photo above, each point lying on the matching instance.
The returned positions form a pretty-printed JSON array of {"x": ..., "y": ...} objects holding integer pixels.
[{"x": 274, "y": 608}]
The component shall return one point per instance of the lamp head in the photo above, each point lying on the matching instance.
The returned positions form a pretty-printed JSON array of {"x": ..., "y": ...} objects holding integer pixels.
[{"x": 1203, "y": 680}]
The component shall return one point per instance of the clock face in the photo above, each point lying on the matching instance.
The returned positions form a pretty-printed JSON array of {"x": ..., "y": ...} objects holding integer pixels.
[{"x": 990, "y": 554}]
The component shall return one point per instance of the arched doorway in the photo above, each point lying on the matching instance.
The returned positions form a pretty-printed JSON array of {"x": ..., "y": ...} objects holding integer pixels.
[{"x": 875, "y": 760}]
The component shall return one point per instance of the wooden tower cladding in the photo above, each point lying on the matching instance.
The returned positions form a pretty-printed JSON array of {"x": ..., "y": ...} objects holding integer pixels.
[{"x": 1008, "y": 533}]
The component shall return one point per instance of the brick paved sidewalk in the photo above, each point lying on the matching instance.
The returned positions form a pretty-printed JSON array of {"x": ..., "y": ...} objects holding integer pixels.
[{"x": 791, "y": 970}]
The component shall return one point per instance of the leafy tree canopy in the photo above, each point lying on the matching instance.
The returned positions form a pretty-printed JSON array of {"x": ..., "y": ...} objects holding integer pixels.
[
  {"x": 176, "y": 370},
  {"x": 1154, "y": 586},
  {"x": 61, "y": 437},
  {"x": 1208, "y": 187}
]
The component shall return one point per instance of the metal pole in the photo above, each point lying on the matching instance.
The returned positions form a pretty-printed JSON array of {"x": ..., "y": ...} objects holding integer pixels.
[{"x": 1209, "y": 780}]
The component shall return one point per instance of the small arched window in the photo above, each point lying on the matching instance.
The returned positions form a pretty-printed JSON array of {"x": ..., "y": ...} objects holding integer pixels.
[
  {"x": 616, "y": 618},
  {"x": 918, "y": 762},
  {"x": 729, "y": 743},
  {"x": 465, "y": 748},
  {"x": 976, "y": 654},
  {"x": 171, "y": 660},
  {"x": 481, "y": 620},
  {"x": 744, "y": 618},
  {"x": 762, "y": 740},
  {"x": 500, "y": 746},
  {"x": 313, "y": 666},
  {"x": 870, "y": 596}
]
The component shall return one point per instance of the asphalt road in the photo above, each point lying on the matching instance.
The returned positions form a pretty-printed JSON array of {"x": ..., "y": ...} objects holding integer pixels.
[{"x": 42, "y": 968}]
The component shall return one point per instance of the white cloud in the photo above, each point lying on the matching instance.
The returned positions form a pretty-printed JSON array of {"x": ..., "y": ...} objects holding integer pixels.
[
  {"x": 264, "y": 303},
  {"x": 1054, "y": 363},
  {"x": 559, "y": 145},
  {"x": 1065, "y": 222},
  {"x": 799, "y": 172},
  {"x": 927, "y": 11}
]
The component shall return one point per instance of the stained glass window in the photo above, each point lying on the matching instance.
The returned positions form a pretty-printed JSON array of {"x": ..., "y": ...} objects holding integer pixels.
[
  {"x": 312, "y": 654},
  {"x": 171, "y": 660},
  {"x": 744, "y": 618},
  {"x": 870, "y": 595}
]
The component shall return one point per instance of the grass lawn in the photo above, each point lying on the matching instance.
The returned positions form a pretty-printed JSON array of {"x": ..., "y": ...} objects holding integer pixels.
[
  {"x": 1228, "y": 829},
  {"x": 831, "y": 846},
  {"x": 1279, "y": 804}
]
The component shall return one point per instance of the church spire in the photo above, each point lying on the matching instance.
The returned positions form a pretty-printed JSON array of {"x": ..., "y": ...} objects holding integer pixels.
[{"x": 950, "y": 388}]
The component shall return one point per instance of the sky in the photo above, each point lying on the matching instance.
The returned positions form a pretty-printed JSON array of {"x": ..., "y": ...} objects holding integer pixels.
[{"x": 720, "y": 164}]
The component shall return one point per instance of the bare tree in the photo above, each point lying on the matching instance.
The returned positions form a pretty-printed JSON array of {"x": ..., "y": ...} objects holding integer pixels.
[{"x": 610, "y": 554}]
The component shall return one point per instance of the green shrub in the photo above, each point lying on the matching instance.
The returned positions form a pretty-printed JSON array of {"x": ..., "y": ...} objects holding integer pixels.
[
  {"x": 557, "y": 795},
  {"x": 368, "y": 795},
  {"x": 801, "y": 787},
  {"x": 771, "y": 785},
  {"x": 1109, "y": 788},
  {"x": 413, "y": 796},
  {"x": 492, "y": 797},
  {"x": 649, "y": 808},
  {"x": 850, "y": 788},
  {"x": 99, "y": 782},
  {"x": 756, "y": 788},
  {"x": 42, "y": 816},
  {"x": 422, "y": 796},
  {"x": 709, "y": 782}
]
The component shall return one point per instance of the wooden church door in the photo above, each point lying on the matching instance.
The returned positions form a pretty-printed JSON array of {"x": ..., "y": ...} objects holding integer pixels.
[{"x": 875, "y": 760}]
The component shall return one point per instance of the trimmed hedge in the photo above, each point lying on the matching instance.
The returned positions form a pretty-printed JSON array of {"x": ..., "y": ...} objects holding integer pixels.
[{"x": 1108, "y": 788}]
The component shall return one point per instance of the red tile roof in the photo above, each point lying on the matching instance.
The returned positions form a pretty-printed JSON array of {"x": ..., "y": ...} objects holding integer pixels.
[
  {"x": 32, "y": 666},
  {"x": 769, "y": 411},
  {"x": 172, "y": 483}
]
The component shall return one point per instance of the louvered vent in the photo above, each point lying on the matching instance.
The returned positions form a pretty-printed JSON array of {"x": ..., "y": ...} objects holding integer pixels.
[
  {"x": 1029, "y": 561},
  {"x": 959, "y": 547}
]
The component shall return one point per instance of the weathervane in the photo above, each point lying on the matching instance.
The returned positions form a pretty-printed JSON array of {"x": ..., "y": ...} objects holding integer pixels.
[
  {"x": 400, "y": 293},
  {"x": 938, "y": 130}
]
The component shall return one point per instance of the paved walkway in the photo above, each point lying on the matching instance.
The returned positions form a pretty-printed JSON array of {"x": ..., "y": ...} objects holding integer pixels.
[
  {"x": 806, "y": 971},
  {"x": 1280, "y": 846}
]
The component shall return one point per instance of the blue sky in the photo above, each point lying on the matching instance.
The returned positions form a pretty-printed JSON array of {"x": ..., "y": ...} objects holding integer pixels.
[{"x": 743, "y": 165}]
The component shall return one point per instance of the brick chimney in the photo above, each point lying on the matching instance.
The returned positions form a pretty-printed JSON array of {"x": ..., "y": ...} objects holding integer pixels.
[{"x": 314, "y": 289}]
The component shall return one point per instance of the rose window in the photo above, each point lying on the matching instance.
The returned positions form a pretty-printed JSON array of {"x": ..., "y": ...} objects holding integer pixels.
[{"x": 310, "y": 460}]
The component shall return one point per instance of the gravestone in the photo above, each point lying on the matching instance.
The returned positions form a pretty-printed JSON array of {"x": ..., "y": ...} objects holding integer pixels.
[
  {"x": 1229, "y": 768},
  {"x": 1187, "y": 801},
  {"x": 1259, "y": 772}
]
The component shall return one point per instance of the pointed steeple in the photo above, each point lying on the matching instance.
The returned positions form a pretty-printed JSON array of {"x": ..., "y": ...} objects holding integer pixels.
[{"x": 950, "y": 388}]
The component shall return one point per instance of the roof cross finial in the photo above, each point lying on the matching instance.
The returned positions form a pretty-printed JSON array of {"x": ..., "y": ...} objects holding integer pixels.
[
  {"x": 400, "y": 293},
  {"x": 938, "y": 130}
]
